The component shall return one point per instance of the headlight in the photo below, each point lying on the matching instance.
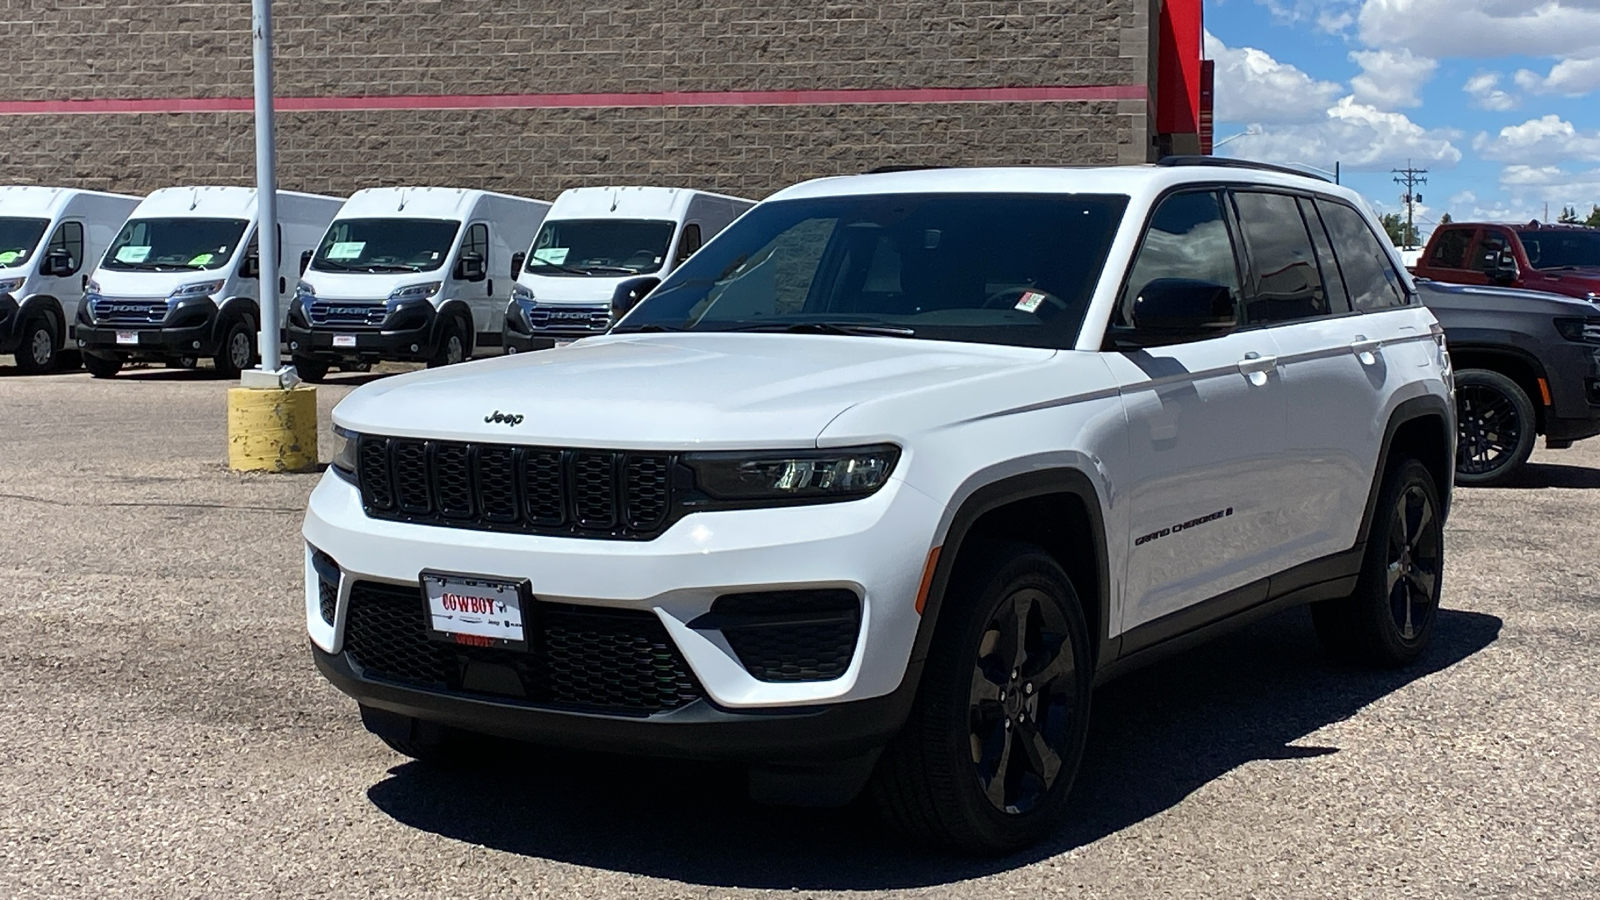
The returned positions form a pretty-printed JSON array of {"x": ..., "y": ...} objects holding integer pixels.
[
  {"x": 344, "y": 453},
  {"x": 416, "y": 291},
  {"x": 304, "y": 290},
  {"x": 197, "y": 289},
  {"x": 521, "y": 294},
  {"x": 805, "y": 475},
  {"x": 1584, "y": 331},
  {"x": 10, "y": 284}
]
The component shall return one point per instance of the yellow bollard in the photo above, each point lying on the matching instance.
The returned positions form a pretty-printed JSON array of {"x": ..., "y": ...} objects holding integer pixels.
[{"x": 272, "y": 430}]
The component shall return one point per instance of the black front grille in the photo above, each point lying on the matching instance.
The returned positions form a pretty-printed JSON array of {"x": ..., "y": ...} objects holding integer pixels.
[
  {"x": 498, "y": 487},
  {"x": 789, "y": 636},
  {"x": 352, "y": 313},
  {"x": 118, "y": 311},
  {"x": 573, "y": 320},
  {"x": 607, "y": 660}
]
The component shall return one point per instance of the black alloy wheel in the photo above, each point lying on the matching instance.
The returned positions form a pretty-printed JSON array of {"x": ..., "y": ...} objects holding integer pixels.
[
  {"x": 37, "y": 354},
  {"x": 238, "y": 350},
  {"x": 1495, "y": 427},
  {"x": 452, "y": 347}
]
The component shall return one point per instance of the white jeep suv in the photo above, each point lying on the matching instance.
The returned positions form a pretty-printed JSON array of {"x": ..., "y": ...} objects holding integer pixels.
[{"x": 878, "y": 486}]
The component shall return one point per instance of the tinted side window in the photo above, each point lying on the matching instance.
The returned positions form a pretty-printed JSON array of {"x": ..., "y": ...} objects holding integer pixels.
[
  {"x": 687, "y": 244},
  {"x": 1187, "y": 238},
  {"x": 1489, "y": 248},
  {"x": 1369, "y": 275},
  {"x": 1338, "y": 297},
  {"x": 1285, "y": 283},
  {"x": 69, "y": 237},
  {"x": 1450, "y": 249}
]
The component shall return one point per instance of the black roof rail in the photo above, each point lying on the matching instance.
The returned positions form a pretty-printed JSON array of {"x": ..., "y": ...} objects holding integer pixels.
[
  {"x": 1226, "y": 162},
  {"x": 901, "y": 167}
]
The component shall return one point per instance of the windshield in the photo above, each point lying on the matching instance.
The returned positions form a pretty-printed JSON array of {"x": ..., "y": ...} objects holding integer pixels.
[
  {"x": 386, "y": 245},
  {"x": 1561, "y": 249},
  {"x": 18, "y": 238},
  {"x": 600, "y": 247},
  {"x": 161, "y": 245},
  {"x": 992, "y": 268}
]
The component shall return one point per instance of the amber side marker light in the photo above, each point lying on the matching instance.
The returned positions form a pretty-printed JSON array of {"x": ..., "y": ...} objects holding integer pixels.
[
  {"x": 927, "y": 579},
  {"x": 1544, "y": 391}
]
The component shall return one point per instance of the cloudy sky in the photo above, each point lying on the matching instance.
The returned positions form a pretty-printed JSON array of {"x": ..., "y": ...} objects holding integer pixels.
[{"x": 1498, "y": 99}]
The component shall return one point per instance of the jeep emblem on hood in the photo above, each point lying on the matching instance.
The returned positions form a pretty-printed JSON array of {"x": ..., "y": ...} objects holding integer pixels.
[{"x": 508, "y": 418}]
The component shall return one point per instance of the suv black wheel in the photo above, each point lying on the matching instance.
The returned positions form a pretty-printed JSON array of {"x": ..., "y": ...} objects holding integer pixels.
[
  {"x": 986, "y": 761},
  {"x": 36, "y": 354},
  {"x": 102, "y": 366},
  {"x": 1389, "y": 618},
  {"x": 1495, "y": 424},
  {"x": 238, "y": 350},
  {"x": 452, "y": 346},
  {"x": 311, "y": 369}
]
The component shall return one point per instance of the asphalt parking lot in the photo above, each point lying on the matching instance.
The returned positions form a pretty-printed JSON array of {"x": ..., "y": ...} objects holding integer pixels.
[{"x": 165, "y": 734}]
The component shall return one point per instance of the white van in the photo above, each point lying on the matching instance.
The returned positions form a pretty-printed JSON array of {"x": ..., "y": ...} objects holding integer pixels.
[
  {"x": 47, "y": 235},
  {"x": 405, "y": 274},
  {"x": 601, "y": 250},
  {"x": 183, "y": 278}
]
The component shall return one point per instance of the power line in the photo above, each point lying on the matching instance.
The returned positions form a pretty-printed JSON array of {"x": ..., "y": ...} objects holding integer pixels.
[{"x": 1410, "y": 177}]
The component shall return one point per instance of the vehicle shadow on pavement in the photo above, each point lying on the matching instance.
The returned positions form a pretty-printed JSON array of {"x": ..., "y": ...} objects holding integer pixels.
[
  {"x": 1158, "y": 735},
  {"x": 1553, "y": 475}
]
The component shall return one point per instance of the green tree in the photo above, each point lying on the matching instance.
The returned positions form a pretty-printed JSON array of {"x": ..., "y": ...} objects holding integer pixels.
[
  {"x": 1594, "y": 217},
  {"x": 1446, "y": 220},
  {"x": 1399, "y": 235},
  {"x": 1569, "y": 216}
]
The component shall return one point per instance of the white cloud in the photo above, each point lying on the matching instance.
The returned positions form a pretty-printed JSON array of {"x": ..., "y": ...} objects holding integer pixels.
[
  {"x": 1335, "y": 23},
  {"x": 1253, "y": 87},
  {"x": 1552, "y": 185},
  {"x": 1484, "y": 88},
  {"x": 1545, "y": 140},
  {"x": 1356, "y": 135},
  {"x": 1390, "y": 78},
  {"x": 1572, "y": 77},
  {"x": 1483, "y": 28}
]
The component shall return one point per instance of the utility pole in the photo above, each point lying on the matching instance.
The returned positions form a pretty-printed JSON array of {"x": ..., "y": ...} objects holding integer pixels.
[
  {"x": 1410, "y": 177},
  {"x": 266, "y": 185}
]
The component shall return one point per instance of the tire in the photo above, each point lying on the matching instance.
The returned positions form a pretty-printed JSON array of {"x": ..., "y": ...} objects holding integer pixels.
[
  {"x": 986, "y": 694},
  {"x": 102, "y": 366},
  {"x": 238, "y": 350},
  {"x": 183, "y": 362},
  {"x": 1495, "y": 425},
  {"x": 452, "y": 346},
  {"x": 36, "y": 355},
  {"x": 1389, "y": 619},
  {"x": 311, "y": 369},
  {"x": 362, "y": 366}
]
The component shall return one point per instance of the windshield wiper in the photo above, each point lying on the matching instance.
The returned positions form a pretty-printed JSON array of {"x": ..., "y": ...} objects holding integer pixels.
[
  {"x": 334, "y": 263},
  {"x": 542, "y": 264},
  {"x": 590, "y": 270},
  {"x": 853, "y": 329},
  {"x": 389, "y": 267}
]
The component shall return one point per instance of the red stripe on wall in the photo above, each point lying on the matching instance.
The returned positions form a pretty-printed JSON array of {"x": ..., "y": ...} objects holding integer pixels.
[{"x": 583, "y": 101}]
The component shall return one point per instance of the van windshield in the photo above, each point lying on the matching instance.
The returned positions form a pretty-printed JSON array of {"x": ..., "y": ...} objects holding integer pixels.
[
  {"x": 162, "y": 245},
  {"x": 19, "y": 238},
  {"x": 578, "y": 247},
  {"x": 1561, "y": 249},
  {"x": 991, "y": 268},
  {"x": 386, "y": 245}
]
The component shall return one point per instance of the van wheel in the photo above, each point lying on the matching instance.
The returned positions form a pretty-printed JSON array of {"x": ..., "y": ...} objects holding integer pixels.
[
  {"x": 184, "y": 362},
  {"x": 1389, "y": 619},
  {"x": 102, "y": 366},
  {"x": 37, "y": 353},
  {"x": 989, "y": 754},
  {"x": 1495, "y": 425},
  {"x": 310, "y": 369},
  {"x": 452, "y": 346},
  {"x": 238, "y": 351}
]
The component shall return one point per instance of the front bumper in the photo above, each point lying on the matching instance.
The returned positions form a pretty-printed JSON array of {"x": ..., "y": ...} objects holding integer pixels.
[
  {"x": 1572, "y": 371},
  {"x": 414, "y": 342},
  {"x": 876, "y": 547},
  {"x": 10, "y": 324},
  {"x": 190, "y": 330}
]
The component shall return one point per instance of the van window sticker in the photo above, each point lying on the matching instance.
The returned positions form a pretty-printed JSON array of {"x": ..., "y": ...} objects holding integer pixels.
[
  {"x": 203, "y": 259},
  {"x": 346, "y": 249},
  {"x": 9, "y": 257},
  {"x": 133, "y": 254},
  {"x": 552, "y": 255}
]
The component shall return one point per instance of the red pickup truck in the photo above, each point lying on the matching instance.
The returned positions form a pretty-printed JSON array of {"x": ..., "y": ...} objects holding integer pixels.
[{"x": 1560, "y": 259}]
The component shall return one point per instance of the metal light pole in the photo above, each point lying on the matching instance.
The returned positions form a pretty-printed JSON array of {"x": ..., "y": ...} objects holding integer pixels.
[{"x": 266, "y": 188}]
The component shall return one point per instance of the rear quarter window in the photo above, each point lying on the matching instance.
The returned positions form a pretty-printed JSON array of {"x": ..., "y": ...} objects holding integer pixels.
[{"x": 1369, "y": 275}]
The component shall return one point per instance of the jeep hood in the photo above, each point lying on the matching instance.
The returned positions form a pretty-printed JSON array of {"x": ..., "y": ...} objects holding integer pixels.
[{"x": 662, "y": 391}]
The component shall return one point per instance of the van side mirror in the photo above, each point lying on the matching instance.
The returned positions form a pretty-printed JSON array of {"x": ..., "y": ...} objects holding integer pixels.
[
  {"x": 1502, "y": 267},
  {"x": 471, "y": 267},
  {"x": 305, "y": 261},
  {"x": 1179, "y": 310},
  {"x": 629, "y": 293},
  {"x": 56, "y": 263},
  {"x": 250, "y": 266},
  {"x": 517, "y": 259}
]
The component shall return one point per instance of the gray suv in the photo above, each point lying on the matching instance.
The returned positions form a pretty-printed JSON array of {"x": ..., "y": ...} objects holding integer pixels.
[{"x": 1527, "y": 363}]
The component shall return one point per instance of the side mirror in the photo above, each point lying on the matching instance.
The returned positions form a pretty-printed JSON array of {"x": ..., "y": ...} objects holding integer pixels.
[
  {"x": 250, "y": 267},
  {"x": 517, "y": 259},
  {"x": 56, "y": 263},
  {"x": 1177, "y": 310},
  {"x": 1502, "y": 267},
  {"x": 471, "y": 267},
  {"x": 305, "y": 261},
  {"x": 629, "y": 293}
]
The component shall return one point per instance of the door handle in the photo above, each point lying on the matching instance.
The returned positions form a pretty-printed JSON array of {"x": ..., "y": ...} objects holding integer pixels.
[
  {"x": 1366, "y": 350},
  {"x": 1255, "y": 363}
]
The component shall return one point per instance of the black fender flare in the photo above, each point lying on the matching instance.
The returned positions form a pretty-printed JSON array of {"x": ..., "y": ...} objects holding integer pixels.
[
  {"x": 448, "y": 311},
  {"x": 232, "y": 309},
  {"x": 50, "y": 306},
  {"x": 1407, "y": 411},
  {"x": 1002, "y": 492}
]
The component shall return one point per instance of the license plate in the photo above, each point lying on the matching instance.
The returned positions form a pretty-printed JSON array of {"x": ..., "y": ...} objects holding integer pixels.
[
  {"x": 127, "y": 337},
  {"x": 478, "y": 612},
  {"x": 344, "y": 340},
  {"x": 562, "y": 343}
]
